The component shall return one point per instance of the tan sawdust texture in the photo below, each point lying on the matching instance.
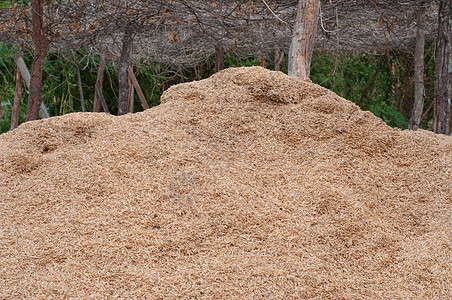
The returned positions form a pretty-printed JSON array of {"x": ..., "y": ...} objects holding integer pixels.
[{"x": 249, "y": 184}]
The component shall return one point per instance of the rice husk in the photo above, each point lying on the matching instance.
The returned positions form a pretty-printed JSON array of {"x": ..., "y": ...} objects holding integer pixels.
[{"x": 249, "y": 184}]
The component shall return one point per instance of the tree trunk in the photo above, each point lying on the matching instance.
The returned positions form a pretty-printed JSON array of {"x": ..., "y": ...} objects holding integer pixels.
[
  {"x": 17, "y": 100},
  {"x": 137, "y": 88},
  {"x": 419, "y": 92},
  {"x": 17, "y": 93},
  {"x": 263, "y": 60},
  {"x": 80, "y": 89},
  {"x": 443, "y": 70},
  {"x": 25, "y": 74},
  {"x": 302, "y": 44},
  {"x": 278, "y": 59},
  {"x": 131, "y": 96},
  {"x": 99, "y": 81},
  {"x": 41, "y": 44},
  {"x": 219, "y": 57},
  {"x": 101, "y": 98},
  {"x": 123, "y": 78}
]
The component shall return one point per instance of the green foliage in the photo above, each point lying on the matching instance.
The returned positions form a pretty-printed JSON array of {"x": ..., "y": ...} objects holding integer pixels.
[
  {"x": 364, "y": 79},
  {"x": 388, "y": 114},
  {"x": 232, "y": 61},
  {"x": 9, "y": 3},
  {"x": 5, "y": 4},
  {"x": 7, "y": 79},
  {"x": 5, "y": 121},
  {"x": 154, "y": 79}
]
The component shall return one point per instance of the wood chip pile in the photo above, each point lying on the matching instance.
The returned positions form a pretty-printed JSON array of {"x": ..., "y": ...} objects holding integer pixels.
[{"x": 249, "y": 184}]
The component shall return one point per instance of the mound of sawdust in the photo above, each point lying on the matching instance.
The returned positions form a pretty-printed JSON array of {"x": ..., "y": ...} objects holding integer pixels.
[{"x": 248, "y": 184}]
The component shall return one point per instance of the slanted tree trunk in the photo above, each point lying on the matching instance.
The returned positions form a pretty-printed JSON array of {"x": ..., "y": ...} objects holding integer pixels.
[
  {"x": 99, "y": 81},
  {"x": 219, "y": 57},
  {"x": 80, "y": 89},
  {"x": 101, "y": 98},
  {"x": 443, "y": 70},
  {"x": 278, "y": 59},
  {"x": 123, "y": 78},
  {"x": 41, "y": 44},
  {"x": 135, "y": 84},
  {"x": 302, "y": 44},
  {"x": 17, "y": 93},
  {"x": 418, "y": 106},
  {"x": 131, "y": 96}
]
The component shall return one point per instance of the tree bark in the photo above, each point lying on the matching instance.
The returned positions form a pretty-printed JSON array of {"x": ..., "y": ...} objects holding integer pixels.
[
  {"x": 131, "y": 96},
  {"x": 22, "y": 67},
  {"x": 25, "y": 74},
  {"x": 123, "y": 78},
  {"x": 17, "y": 93},
  {"x": 443, "y": 70},
  {"x": 302, "y": 44},
  {"x": 219, "y": 57},
  {"x": 41, "y": 44},
  {"x": 101, "y": 98},
  {"x": 80, "y": 89},
  {"x": 17, "y": 100},
  {"x": 99, "y": 81},
  {"x": 278, "y": 59},
  {"x": 263, "y": 60},
  {"x": 137, "y": 88},
  {"x": 419, "y": 91}
]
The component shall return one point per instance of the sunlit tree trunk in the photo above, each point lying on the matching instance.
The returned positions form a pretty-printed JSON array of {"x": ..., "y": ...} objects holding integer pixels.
[
  {"x": 17, "y": 100},
  {"x": 17, "y": 93},
  {"x": 443, "y": 70},
  {"x": 302, "y": 44},
  {"x": 418, "y": 70},
  {"x": 123, "y": 77},
  {"x": 41, "y": 44}
]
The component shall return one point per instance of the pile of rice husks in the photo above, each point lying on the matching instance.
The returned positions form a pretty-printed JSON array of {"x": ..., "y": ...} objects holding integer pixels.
[{"x": 249, "y": 184}]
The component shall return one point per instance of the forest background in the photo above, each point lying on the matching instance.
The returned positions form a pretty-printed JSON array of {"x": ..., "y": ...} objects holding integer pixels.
[{"x": 134, "y": 50}]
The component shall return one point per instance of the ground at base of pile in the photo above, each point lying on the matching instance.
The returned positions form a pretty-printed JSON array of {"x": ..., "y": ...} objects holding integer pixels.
[{"x": 248, "y": 184}]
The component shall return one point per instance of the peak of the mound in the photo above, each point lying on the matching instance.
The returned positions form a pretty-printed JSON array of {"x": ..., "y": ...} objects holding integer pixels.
[
  {"x": 253, "y": 84},
  {"x": 260, "y": 87},
  {"x": 293, "y": 110},
  {"x": 248, "y": 184}
]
